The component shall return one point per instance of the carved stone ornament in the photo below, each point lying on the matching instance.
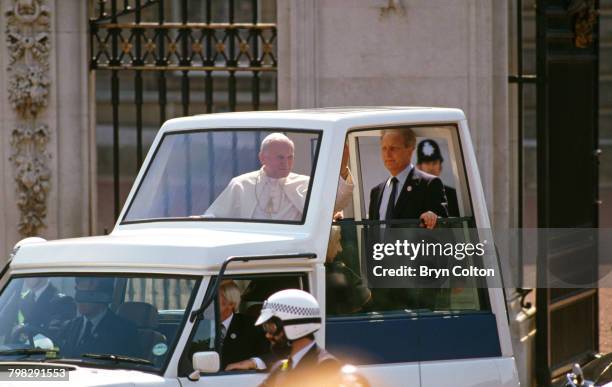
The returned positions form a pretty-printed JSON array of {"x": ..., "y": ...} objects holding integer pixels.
[
  {"x": 28, "y": 44},
  {"x": 31, "y": 161},
  {"x": 584, "y": 19}
]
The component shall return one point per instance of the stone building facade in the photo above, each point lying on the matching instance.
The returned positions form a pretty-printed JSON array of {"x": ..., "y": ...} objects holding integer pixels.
[{"x": 417, "y": 52}]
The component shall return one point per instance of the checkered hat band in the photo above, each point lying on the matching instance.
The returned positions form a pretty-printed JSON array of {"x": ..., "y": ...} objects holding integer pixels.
[
  {"x": 299, "y": 321},
  {"x": 295, "y": 310}
]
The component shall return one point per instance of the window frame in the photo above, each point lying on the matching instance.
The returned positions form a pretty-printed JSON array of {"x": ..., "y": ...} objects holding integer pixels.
[{"x": 304, "y": 277}]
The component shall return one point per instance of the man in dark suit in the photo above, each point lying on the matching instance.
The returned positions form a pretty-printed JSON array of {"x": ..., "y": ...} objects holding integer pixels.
[
  {"x": 43, "y": 308},
  {"x": 408, "y": 193},
  {"x": 429, "y": 159},
  {"x": 98, "y": 329},
  {"x": 244, "y": 345}
]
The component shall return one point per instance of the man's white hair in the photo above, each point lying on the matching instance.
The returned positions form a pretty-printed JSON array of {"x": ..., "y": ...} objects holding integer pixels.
[
  {"x": 231, "y": 292},
  {"x": 274, "y": 137}
]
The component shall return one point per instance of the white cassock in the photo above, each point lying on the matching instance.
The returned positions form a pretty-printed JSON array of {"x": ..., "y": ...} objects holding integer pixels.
[{"x": 254, "y": 195}]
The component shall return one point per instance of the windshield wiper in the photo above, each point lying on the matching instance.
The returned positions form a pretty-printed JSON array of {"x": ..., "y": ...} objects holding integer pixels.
[
  {"x": 26, "y": 351},
  {"x": 117, "y": 358}
]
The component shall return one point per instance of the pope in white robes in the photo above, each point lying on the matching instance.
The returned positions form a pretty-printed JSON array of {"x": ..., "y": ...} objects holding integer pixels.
[{"x": 273, "y": 192}]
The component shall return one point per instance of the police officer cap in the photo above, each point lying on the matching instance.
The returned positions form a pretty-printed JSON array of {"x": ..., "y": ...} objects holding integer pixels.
[{"x": 428, "y": 150}]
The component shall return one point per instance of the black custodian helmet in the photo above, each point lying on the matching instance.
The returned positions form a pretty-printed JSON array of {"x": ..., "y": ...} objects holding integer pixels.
[{"x": 428, "y": 150}]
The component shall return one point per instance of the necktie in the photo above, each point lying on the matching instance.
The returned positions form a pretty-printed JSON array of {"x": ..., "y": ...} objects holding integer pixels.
[
  {"x": 391, "y": 204},
  {"x": 222, "y": 336},
  {"x": 86, "y": 333}
]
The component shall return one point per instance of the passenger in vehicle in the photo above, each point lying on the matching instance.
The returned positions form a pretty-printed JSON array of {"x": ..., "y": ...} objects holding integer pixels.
[
  {"x": 97, "y": 329},
  {"x": 408, "y": 193},
  {"x": 243, "y": 346},
  {"x": 43, "y": 308},
  {"x": 429, "y": 160},
  {"x": 345, "y": 293},
  {"x": 274, "y": 191}
]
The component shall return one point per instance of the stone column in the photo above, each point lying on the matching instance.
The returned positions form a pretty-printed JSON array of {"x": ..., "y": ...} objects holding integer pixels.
[
  {"x": 297, "y": 75},
  {"x": 45, "y": 143}
]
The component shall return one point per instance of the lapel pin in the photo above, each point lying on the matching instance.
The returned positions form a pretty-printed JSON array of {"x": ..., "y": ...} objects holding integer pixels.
[
  {"x": 233, "y": 336},
  {"x": 409, "y": 188}
]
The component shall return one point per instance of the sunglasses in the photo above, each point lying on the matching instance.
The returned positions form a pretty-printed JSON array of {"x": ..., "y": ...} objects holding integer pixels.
[{"x": 273, "y": 328}]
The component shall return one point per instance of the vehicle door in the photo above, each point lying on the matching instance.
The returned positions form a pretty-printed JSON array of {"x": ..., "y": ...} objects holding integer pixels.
[
  {"x": 411, "y": 333},
  {"x": 254, "y": 289}
]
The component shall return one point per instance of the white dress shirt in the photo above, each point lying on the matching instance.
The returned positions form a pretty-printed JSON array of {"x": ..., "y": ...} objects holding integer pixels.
[
  {"x": 401, "y": 180},
  {"x": 226, "y": 323},
  {"x": 295, "y": 359}
]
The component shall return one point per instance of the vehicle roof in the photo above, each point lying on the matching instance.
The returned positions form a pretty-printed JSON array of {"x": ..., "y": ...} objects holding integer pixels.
[
  {"x": 160, "y": 249},
  {"x": 348, "y": 115}
]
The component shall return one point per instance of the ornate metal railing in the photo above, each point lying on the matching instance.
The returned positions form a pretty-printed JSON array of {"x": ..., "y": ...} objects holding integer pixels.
[{"x": 170, "y": 41}]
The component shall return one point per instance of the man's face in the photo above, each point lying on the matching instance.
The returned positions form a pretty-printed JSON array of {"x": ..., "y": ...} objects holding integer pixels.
[
  {"x": 226, "y": 308},
  {"x": 277, "y": 159},
  {"x": 279, "y": 345},
  {"x": 394, "y": 153},
  {"x": 431, "y": 167},
  {"x": 86, "y": 308}
]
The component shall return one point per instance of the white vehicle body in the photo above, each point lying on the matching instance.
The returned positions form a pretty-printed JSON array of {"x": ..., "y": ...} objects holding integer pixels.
[{"x": 198, "y": 249}]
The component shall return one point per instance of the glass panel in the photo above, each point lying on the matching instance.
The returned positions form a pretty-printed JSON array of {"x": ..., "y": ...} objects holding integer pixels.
[
  {"x": 435, "y": 151},
  {"x": 228, "y": 174},
  {"x": 89, "y": 318},
  {"x": 428, "y": 163}
]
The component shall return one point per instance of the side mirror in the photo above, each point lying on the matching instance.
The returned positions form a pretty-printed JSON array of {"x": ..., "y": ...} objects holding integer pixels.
[{"x": 207, "y": 362}]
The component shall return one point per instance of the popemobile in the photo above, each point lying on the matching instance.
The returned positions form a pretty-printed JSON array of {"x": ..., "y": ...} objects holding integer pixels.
[{"x": 231, "y": 208}]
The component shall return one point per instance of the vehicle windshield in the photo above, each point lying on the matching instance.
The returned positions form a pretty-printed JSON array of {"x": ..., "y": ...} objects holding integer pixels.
[
  {"x": 132, "y": 322},
  {"x": 258, "y": 175}
]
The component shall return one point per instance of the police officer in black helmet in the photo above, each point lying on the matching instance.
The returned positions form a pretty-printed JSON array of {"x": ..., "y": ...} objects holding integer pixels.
[{"x": 429, "y": 160}]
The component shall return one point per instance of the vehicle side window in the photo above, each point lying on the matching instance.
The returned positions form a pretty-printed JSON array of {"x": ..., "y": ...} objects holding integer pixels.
[
  {"x": 233, "y": 332},
  {"x": 427, "y": 162}
]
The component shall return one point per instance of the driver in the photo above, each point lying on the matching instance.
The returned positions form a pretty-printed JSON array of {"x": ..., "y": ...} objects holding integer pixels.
[{"x": 98, "y": 329}]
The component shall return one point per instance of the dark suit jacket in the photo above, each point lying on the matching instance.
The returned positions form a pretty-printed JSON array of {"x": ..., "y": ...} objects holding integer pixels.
[
  {"x": 112, "y": 335},
  {"x": 317, "y": 368},
  {"x": 243, "y": 340},
  {"x": 421, "y": 192},
  {"x": 51, "y": 308},
  {"x": 453, "y": 204}
]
